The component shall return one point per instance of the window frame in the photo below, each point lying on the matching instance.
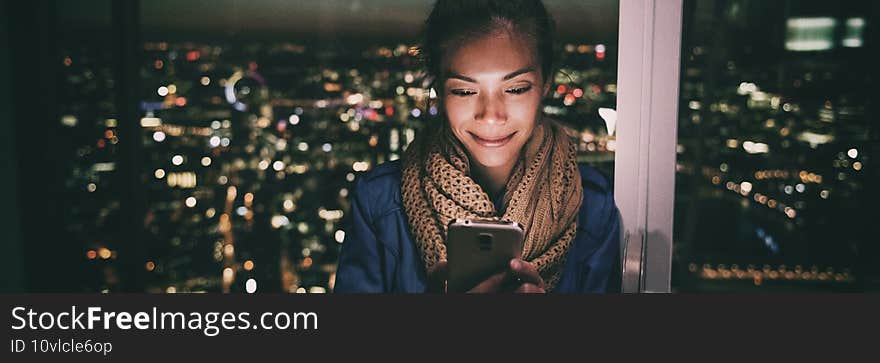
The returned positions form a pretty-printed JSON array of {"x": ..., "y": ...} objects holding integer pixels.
[{"x": 647, "y": 108}]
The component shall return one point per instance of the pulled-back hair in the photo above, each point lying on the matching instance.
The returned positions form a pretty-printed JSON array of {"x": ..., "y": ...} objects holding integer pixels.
[{"x": 453, "y": 22}]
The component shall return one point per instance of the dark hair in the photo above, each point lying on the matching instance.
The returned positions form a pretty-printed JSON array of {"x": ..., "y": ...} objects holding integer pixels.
[{"x": 453, "y": 22}]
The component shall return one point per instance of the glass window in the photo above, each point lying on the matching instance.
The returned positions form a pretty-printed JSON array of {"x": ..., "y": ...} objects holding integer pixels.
[
  {"x": 775, "y": 147},
  {"x": 256, "y": 118},
  {"x": 251, "y": 120},
  {"x": 86, "y": 146}
]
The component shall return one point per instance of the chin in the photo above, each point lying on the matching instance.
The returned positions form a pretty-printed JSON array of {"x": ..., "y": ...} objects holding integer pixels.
[{"x": 492, "y": 160}]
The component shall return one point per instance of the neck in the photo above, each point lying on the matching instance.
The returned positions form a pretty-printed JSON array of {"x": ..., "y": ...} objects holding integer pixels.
[{"x": 491, "y": 179}]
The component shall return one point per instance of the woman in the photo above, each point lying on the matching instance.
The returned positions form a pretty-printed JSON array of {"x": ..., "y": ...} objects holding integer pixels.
[{"x": 492, "y": 155}]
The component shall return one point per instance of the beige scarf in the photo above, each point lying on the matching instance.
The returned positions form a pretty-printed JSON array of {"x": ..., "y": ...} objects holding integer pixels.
[{"x": 543, "y": 194}]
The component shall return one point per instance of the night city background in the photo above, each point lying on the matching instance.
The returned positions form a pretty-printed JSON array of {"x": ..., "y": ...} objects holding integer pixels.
[{"x": 169, "y": 146}]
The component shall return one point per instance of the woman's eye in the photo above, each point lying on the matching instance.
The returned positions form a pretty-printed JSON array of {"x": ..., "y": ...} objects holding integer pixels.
[
  {"x": 462, "y": 92},
  {"x": 519, "y": 90}
]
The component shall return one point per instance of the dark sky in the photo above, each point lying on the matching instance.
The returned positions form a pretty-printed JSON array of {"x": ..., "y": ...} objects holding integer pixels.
[{"x": 585, "y": 20}]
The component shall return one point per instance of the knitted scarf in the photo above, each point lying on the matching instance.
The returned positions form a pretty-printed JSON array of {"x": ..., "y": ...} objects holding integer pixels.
[{"x": 543, "y": 194}]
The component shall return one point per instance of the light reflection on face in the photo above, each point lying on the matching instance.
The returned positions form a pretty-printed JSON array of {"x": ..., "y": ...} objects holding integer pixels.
[{"x": 491, "y": 94}]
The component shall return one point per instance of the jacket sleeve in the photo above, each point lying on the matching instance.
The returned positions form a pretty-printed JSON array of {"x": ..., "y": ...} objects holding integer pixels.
[
  {"x": 593, "y": 263},
  {"x": 360, "y": 258},
  {"x": 602, "y": 268}
]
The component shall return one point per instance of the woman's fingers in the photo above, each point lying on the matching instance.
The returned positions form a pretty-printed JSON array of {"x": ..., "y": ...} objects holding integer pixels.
[
  {"x": 526, "y": 273},
  {"x": 437, "y": 278},
  {"x": 490, "y": 285},
  {"x": 522, "y": 275},
  {"x": 529, "y": 288}
]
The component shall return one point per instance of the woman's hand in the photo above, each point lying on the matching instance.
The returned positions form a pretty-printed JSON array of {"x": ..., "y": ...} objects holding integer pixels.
[
  {"x": 528, "y": 280},
  {"x": 520, "y": 277},
  {"x": 437, "y": 276}
]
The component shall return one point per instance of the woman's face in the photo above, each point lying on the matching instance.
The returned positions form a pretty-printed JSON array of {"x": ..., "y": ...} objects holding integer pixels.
[{"x": 492, "y": 94}]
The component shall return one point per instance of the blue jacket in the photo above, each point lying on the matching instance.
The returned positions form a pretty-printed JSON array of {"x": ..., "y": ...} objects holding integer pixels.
[{"x": 379, "y": 255}]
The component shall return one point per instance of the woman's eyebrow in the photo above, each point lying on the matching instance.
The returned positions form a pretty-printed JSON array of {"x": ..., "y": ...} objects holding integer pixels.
[
  {"x": 518, "y": 72},
  {"x": 461, "y": 77},
  {"x": 505, "y": 78}
]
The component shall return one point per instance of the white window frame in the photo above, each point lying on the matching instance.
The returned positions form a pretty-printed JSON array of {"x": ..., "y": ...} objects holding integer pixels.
[{"x": 647, "y": 123}]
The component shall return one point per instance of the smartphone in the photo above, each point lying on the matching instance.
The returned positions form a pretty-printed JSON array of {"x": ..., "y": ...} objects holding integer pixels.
[{"x": 478, "y": 249}]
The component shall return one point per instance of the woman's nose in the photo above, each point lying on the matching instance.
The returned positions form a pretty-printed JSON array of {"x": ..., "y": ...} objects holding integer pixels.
[{"x": 491, "y": 109}]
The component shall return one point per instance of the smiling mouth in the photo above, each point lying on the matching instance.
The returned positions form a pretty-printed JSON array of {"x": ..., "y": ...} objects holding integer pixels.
[{"x": 492, "y": 142}]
